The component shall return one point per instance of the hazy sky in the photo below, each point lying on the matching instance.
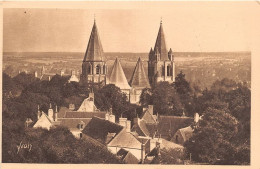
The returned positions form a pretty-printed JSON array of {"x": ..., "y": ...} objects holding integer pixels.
[{"x": 188, "y": 26}]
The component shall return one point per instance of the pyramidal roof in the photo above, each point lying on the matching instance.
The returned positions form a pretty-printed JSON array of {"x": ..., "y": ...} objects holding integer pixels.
[
  {"x": 94, "y": 50},
  {"x": 160, "y": 44},
  {"x": 139, "y": 78},
  {"x": 117, "y": 76}
]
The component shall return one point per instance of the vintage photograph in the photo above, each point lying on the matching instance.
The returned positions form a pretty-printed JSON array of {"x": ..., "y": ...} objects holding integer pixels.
[{"x": 127, "y": 83}]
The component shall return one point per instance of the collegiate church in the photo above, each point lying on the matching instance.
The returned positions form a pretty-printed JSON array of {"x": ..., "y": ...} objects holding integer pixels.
[{"x": 161, "y": 67}]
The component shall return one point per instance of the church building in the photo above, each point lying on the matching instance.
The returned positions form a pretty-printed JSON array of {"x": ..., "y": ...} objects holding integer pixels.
[
  {"x": 94, "y": 67},
  {"x": 161, "y": 66}
]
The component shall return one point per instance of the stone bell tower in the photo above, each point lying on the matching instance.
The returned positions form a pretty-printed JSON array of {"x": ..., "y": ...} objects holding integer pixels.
[
  {"x": 161, "y": 66},
  {"x": 94, "y": 68}
]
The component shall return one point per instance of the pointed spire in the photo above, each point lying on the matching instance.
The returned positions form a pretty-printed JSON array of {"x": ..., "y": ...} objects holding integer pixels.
[
  {"x": 50, "y": 105},
  {"x": 56, "y": 109},
  {"x": 94, "y": 50},
  {"x": 151, "y": 50},
  {"x": 161, "y": 44},
  {"x": 117, "y": 76},
  {"x": 139, "y": 78},
  {"x": 170, "y": 51},
  {"x": 38, "y": 108}
]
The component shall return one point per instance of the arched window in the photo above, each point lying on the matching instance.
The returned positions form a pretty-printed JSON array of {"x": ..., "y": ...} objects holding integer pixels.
[
  {"x": 169, "y": 70},
  {"x": 177, "y": 139},
  {"x": 98, "y": 70},
  {"x": 89, "y": 68},
  {"x": 162, "y": 70}
]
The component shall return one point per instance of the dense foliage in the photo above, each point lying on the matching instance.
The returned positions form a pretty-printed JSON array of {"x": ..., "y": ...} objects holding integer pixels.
[
  {"x": 55, "y": 146},
  {"x": 223, "y": 134},
  {"x": 221, "y": 137},
  {"x": 21, "y": 97},
  {"x": 170, "y": 99}
]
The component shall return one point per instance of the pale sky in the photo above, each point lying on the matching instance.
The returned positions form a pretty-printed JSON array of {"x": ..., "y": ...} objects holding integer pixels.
[{"x": 188, "y": 27}]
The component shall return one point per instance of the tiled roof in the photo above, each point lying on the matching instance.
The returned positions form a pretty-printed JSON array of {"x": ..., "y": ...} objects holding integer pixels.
[
  {"x": 127, "y": 156},
  {"x": 76, "y": 114},
  {"x": 186, "y": 133},
  {"x": 72, "y": 123},
  {"x": 168, "y": 125},
  {"x": 125, "y": 140},
  {"x": 148, "y": 116},
  {"x": 99, "y": 128},
  {"x": 87, "y": 106},
  {"x": 139, "y": 78},
  {"x": 169, "y": 144},
  {"x": 143, "y": 128},
  {"x": 94, "y": 50},
  {"x": 117, "y": 76},
  {"x": 160, "y": 44}
]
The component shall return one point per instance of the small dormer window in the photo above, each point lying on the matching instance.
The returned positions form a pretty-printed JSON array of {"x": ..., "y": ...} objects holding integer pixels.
[{"x": 81, "y": 125}]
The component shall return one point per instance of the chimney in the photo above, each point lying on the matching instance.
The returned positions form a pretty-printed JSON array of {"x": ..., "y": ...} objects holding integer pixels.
[
  {"x": 122, "y": 121},
  {"x": 128, "y": 126},
  {"x": 39, "y": 113},
  {"x": 35, "y": 74},
  {"x": 196, "y": 117},
  {"x": 72, "y": 107},
  {"x": 49, "y": 78},
  {"x": 91, "y": 96},
  {"x": 137, "y": 121},
  {"x": 56, "y": 114},
  {"x": 61, "y": 72},
  {"x": 107, "y": 116},
  {"x": 150, "y": 108},
  {"x": 144, "y": 109},
  {"x": 112, "y": 118},
  {"x": 50, "y": 113}
]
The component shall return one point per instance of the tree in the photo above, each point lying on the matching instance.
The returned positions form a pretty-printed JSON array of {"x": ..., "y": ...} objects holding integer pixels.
[
  {"x": 55, "y": 146},
  {"x": 164, "y": 98},
  {"x": 185, "y": 93},
  {"x": 212, "y": 139},
  {"x": 111, "y": 96},
  {"x": 146, "y": 97}
]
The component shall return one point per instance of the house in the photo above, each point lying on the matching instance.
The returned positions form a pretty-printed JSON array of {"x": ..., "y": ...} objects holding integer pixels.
[
  {"x": 127, "y": 141},
  {"x": 88, "y": 104},
  {"x": 168, "y": 125},
  {"x": 127, "y": 157},
  {"x": 76, "y": 121},
  {"x": 73, "y": 77},
  {"x": 46, "y": 121},
  {"x": 117, "y": 136},
  {"x": 146, "y": 125},
  {"x": 182, "y": 135},
  {"x": 102, "y": 130}
]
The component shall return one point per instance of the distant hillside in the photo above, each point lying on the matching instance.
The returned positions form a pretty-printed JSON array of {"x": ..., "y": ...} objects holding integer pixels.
[{"x": 202, "y": 68}]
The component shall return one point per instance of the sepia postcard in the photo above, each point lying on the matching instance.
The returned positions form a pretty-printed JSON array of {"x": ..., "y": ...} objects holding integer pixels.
[{"x": 152, "y": 84}]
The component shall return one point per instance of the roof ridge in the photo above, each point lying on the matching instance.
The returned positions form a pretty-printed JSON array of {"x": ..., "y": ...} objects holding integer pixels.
[
  {"x": 117, "y": 76},
  {"x": 139, "y": 78}
]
